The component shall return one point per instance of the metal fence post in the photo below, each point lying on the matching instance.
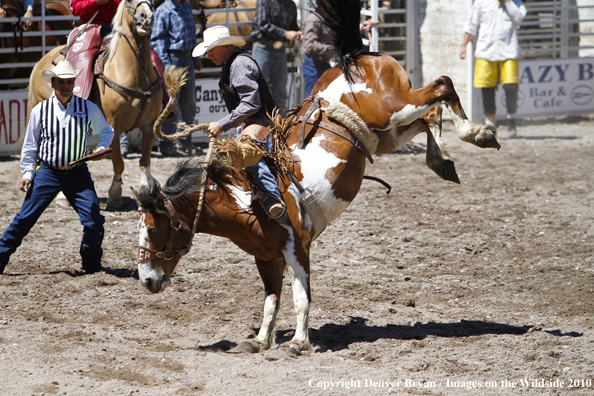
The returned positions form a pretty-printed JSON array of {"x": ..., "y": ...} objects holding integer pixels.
[
  {"x": 413, "y": 64},
  {"x": 375, "y": 29},
  {"x": 42, "y": 27}
]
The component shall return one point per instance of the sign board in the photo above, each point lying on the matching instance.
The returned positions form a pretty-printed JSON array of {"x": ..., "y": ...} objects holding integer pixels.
[
  {"x": 548, "y": 87},
  {"x": 13, "y": 116},
  {"x": 209, "y": 106}
]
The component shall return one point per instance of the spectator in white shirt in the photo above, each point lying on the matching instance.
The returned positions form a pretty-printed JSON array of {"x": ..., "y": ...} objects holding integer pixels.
[{"x": 494, "y": 24}]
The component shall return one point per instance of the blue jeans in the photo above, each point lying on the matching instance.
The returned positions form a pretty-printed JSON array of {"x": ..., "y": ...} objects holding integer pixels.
[
  {"x": 264, "y": 179},
  {"x": 273, "y": 64},
  {"x": 79, "y": 189},
  {"x": 185, "y": 99},
  {"x": 312, "y": 71}
]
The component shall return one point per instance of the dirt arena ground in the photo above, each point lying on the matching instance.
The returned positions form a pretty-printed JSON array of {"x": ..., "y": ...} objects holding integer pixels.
[{"x": 483, "y": 288}]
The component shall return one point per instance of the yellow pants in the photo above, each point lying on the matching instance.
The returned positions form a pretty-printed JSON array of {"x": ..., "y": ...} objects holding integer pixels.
[{"x": 487, "y": 74}]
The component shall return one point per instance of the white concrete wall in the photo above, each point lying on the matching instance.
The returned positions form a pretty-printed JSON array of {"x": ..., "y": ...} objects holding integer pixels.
[
  {"x": 441, "y": 37},
  {"x": 586, "y": 27}
]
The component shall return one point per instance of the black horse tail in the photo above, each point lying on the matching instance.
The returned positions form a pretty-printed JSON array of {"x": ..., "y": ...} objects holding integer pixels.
[{"x": 343, "y": 17}]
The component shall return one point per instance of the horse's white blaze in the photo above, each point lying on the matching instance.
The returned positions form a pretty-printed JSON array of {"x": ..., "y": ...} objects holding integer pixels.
[
  {"x": 242, "y": 197},
  {"x": 340, "y": 87},
  {"x": 315, "y": 165},
  {"x": 299, "y": 280},
  {"x": 145, "y": 269},
  {"x": 408, "y": 114},
  {"x": 143, "y": 233}
]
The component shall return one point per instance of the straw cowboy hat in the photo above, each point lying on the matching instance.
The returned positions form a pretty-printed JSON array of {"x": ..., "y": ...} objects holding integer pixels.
[
  {"x": 62, "y": 70},
  {"x": 216, "y": 36}
]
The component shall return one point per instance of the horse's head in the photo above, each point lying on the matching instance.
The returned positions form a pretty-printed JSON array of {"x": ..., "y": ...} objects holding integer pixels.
[
  {"x": 168, "y": 216},
  {"x": 163, "y": 237},
  {"x": 141, "y": 15}
]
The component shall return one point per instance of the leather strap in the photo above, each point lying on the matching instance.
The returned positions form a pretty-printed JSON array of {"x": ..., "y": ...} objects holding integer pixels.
[
  {"x": 315, "y": 104},
  {"x": 133, "y": 93},
  {"x": 337, "y": 131},
  {"x": 380, "y": 181}
]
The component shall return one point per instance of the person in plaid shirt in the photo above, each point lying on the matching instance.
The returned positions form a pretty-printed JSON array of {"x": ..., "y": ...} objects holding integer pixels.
[
  {"x": 275, "y": 24},
  {"x": 173, "y": 38}
]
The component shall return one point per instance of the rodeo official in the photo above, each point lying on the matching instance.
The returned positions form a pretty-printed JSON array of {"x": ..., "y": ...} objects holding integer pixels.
[{"x": 57, "y": 135}]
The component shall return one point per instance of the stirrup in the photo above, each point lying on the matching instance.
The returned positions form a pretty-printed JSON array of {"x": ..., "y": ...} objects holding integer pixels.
[{"x": 276, "y": 211}]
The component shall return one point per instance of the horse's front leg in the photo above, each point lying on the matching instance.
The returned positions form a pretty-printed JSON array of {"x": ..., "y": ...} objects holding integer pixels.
[
  {"x": 148, "y": 139},
  {"x": 297, "y": 259},
  {"x": 114, "y": 199},
  {"x": 271, "y": 273}
]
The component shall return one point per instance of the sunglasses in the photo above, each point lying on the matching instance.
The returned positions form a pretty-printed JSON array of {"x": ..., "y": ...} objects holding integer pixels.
[{"x": 68, "y": 81}]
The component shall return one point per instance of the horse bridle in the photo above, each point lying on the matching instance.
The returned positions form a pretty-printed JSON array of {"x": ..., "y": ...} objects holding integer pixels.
[
  {"x": 167, "y": 253},
  {"x": 132, "y": 11},
  {"x": 131, "y": 92}
]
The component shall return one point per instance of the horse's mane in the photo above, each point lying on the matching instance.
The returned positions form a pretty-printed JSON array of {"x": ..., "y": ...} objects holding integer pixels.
[
  {"x": 184, "y": 181},
  {"x": 117, "y": 24},
  {"x": 342, "y": 17}
]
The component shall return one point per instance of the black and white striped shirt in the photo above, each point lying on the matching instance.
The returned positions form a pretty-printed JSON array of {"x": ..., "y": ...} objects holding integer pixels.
[{"x": 59, "y": 135}]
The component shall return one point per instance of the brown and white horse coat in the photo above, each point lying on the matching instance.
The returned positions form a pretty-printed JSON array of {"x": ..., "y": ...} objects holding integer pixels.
[{"x": 330, "y": 167}]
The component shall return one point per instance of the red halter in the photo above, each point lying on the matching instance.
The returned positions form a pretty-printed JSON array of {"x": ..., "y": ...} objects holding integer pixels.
[{"x": 145, "y": 254}]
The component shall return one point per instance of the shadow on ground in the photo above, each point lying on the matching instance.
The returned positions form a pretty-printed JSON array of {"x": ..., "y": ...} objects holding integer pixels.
[
  {"x": 130, "y": 205},
  {"x": 336, "y": 337}
]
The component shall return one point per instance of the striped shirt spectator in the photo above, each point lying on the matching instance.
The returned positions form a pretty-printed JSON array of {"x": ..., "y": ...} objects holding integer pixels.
[{"x": 58, "y": 135}]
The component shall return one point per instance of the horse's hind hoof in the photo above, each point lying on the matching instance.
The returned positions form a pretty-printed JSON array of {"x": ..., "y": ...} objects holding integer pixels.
[
  {"x": 280, "y": 353},
  {"x": 115, "y": 204},
  {"x": 486, "y": 138},
  {"x": 449, "y": 172},
  {"x": 244, "y": 347}
]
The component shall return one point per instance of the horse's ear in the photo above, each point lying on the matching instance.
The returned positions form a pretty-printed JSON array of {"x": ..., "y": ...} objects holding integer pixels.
[{"x": 140, "y": 208}]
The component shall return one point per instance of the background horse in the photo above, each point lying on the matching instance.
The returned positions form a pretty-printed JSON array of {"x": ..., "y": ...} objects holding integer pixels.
[
  {"x": 329, "y": 143},
  {"x": 220, "y": 18},
  {"x": 132, "y": 98},
  {"x": 235, "y": 15}
]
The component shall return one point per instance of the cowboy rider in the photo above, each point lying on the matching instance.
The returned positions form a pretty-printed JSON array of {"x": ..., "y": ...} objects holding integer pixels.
[
  {"x": 105, "y": 9},
  {"x": 248, "y": 100},
  {"x": 101, "y": 13}
]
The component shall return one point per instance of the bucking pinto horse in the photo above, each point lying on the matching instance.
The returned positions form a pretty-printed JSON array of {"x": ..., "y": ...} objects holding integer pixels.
[{"x": 329, "y": 143}]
